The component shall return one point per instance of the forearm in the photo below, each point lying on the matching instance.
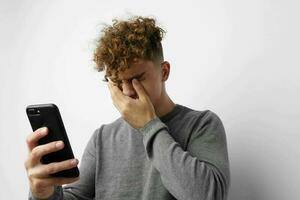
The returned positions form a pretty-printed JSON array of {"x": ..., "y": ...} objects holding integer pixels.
[{"x": 185, "y": 176}]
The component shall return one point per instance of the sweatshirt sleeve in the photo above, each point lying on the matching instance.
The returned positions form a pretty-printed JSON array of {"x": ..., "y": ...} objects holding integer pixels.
[
  {"x": 84, "y": 188},
  {"x": 200, "y": 172}
]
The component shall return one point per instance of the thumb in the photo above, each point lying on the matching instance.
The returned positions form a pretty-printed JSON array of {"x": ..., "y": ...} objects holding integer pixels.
[{"x": 140, "y": 90}]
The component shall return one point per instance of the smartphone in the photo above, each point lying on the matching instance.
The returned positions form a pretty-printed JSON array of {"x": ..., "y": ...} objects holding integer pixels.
[{"x": 48, "y": 115}]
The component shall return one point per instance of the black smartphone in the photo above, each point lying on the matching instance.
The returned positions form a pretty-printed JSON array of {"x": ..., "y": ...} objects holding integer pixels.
[{"x": 48, "y": 115}]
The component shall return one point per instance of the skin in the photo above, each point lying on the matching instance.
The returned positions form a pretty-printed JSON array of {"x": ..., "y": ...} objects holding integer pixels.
[
  {"x": 138, "y": 98},
  {"x": 41, "y": 184}
]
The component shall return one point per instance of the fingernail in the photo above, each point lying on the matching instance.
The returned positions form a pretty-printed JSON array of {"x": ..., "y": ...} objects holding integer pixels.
[
  {"x": 43, "y": 131},
  {"x": 74, "y": 161},
  {"x": 59, "y": 144}
]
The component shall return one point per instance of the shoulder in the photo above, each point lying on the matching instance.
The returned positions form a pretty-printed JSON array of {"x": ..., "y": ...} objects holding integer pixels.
[
  {"x": 202, "y": 121},
  {"x": 111, "y": 130},
  {"x": 112, "y": 126},
  {"x": 201, "y": 116}
]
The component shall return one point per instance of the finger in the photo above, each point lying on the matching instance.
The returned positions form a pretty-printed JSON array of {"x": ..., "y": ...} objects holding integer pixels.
[
  {"x": 140, "y": 90},
  {"x": 60, "y": 166},
  {"x": 33, "y": 138},
  {"x": 62, "y": 181},
  {"x": 113, "y": 90},
  {"x": 43, "y": 171},
  {"x": 117, "y": 95},
  {"x": 53, "y": 181},
  {"x": 39, "y": 151},
  {"x": 111, "y": 87},
  {"x": 113, "y": 96}
]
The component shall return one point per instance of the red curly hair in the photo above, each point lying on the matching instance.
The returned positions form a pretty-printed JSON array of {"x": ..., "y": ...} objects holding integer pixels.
[{"x": 126, "y": 41}]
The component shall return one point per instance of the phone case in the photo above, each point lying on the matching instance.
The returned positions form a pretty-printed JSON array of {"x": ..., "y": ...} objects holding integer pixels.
[{"x": 48, "y": 115}]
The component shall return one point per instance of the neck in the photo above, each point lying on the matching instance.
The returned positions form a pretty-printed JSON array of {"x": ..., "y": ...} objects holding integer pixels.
[{"x": 165, "y": 106}]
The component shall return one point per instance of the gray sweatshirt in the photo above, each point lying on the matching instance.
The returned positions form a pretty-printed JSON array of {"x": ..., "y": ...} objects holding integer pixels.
[{"x": 182, "y": 155}]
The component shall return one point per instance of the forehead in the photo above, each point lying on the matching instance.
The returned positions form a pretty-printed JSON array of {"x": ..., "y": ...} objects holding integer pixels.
[{"x": 135, "y": 68}]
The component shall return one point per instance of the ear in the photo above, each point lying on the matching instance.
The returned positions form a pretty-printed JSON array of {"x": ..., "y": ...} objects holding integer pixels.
[{"x": 165, "y": 70}]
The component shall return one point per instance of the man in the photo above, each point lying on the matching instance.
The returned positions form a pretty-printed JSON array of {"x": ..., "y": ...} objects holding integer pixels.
[{"x": 156, "y": 150}]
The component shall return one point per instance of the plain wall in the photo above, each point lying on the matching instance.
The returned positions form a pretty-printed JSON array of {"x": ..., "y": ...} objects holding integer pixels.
[{"x": 238, "y": 58}]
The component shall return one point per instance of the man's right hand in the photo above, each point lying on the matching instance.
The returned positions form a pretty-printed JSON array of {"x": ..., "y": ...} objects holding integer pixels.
[{"x": 42, "y": 184}]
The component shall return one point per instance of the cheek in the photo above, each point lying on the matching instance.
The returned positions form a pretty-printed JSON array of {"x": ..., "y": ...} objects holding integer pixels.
[{"x": 154, "y": 92}]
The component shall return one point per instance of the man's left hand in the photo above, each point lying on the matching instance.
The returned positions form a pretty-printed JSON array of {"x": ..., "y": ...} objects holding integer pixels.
[{"x": 137, "y": 112}]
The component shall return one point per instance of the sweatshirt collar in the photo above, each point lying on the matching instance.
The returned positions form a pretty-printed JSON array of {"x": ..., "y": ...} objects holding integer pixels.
[{"x": 167, "y": 117}]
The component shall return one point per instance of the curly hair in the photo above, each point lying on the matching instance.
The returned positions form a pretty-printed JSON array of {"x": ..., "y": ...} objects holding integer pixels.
[{"x": 126, "y": 41}]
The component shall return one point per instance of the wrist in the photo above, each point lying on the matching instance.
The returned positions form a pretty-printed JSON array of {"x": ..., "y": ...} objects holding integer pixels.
[
  {"x": 149, "y": 119},
  {"x": 44, "y": 193}
]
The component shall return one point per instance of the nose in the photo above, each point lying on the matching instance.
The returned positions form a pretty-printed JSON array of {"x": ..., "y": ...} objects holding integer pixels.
[{"x": 128, "y": 89}]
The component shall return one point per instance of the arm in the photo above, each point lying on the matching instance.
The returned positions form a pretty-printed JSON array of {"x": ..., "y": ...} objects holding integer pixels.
[
  {"x": 84, "y": 189},
  {"x": 201, "y": 172}
]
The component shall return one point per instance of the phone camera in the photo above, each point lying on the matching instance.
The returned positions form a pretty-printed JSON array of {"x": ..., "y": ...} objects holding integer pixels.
[{"x": 33, "y": 111}]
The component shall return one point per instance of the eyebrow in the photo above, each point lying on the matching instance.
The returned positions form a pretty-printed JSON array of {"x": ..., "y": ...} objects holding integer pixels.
[
  {"x": 136, "y": 76},
  {"x": 130, "y": 79}
]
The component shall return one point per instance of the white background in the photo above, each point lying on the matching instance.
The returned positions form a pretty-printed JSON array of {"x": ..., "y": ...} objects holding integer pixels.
[{"x": 237, "y": 58}]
